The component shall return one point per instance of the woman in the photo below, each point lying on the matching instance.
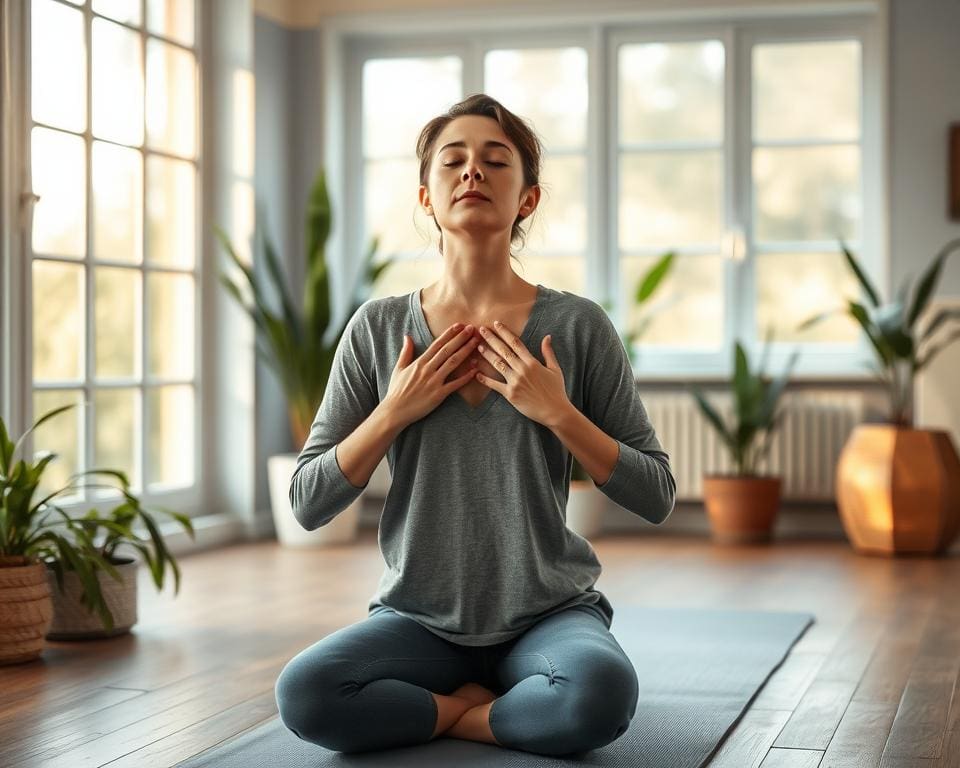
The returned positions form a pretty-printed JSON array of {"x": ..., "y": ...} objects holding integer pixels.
[{"x": 485, "y": 624}]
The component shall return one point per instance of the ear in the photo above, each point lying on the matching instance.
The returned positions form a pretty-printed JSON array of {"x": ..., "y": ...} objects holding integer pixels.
[
  {"x": 530, "y": 201},
  {"x": 424, "y": 196}
]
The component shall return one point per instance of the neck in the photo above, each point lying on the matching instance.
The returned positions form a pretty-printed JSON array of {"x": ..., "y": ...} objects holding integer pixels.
[{"x": 477, "y": 275}]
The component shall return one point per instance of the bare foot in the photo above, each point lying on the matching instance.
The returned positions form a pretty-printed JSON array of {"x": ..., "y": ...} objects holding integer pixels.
[{"x": 475, "y": 693}]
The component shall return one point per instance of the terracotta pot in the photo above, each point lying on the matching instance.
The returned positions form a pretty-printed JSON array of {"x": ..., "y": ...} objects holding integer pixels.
[
  {"x": 898, "y": 490},
  {"x": 26, "y": 609},
  {"x": 72, "y": 620},
  {"x": 741, "y": 508}
]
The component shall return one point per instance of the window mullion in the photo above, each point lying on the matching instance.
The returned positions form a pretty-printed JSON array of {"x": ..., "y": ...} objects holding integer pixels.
[
  {"x": 140, "y": 370},
  {"x": 742, "y": 294},
  {"x": 601, "y": 248},
  {"x": 87, "y": 454}
]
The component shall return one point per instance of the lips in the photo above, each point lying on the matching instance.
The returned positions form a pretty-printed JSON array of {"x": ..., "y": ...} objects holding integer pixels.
[{"x": 476, "y": 195}]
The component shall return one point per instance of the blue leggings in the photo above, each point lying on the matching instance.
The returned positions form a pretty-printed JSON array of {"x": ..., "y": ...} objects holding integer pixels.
[{"x": 565, "y": 685}]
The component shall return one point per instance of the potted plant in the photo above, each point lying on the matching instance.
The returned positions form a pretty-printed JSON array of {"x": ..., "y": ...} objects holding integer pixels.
[
  {"x": 742, "y": 506},
  {"x": 291, "y": 342},
  {"x": 41, "y": 546},
  {"x": 897, "y": 486},
  {"x": 585, "y": 504}
]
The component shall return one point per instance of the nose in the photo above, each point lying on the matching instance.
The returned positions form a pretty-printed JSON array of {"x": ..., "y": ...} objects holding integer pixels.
[{"x": 472, "y": 170}]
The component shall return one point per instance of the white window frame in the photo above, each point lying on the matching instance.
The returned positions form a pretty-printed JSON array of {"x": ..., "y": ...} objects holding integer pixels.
[
  {"x": 190, "y": 499},
  {"x": 349, "y": 43}
]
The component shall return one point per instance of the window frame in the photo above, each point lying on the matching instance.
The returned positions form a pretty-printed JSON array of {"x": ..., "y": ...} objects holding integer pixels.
[
  {"x": 189, "y": 499},
  {"x": 600, "y": 36}
]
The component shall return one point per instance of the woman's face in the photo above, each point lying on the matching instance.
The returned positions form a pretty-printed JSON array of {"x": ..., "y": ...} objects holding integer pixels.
[{"x": 472, "y": 153}]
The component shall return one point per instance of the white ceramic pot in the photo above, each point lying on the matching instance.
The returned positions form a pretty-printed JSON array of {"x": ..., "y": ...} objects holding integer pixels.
[
  {"x": 342, "y": 529},
  {"x": 585, "y": 508}
]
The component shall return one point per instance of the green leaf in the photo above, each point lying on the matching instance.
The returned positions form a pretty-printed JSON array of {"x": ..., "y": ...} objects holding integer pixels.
[
  {"x": 744, "y": 386},
  {"x": 714, "y": 418},
  {"x": 654, "y": 277},
  {"x": 814, "y": 319},
  {"x": 860, "y": 315},
  {"x": 929, "y": 281},
  {"x": 939, "y": 319},
  {"x": 861, "y": 276},
  {"x": 936, "y": 350},
  {"x": 46, "y": 417}
]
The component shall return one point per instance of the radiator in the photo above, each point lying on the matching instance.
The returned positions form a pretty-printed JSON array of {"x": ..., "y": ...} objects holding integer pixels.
[{"x": 804, "y": 451}]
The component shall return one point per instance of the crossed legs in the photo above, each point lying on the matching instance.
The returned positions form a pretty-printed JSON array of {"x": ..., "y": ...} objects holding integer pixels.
[{"x": 465, "y": 714}]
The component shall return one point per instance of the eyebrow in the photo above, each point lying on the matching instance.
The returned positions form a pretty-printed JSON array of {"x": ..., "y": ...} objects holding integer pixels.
[{"x": 486, "y": 144}]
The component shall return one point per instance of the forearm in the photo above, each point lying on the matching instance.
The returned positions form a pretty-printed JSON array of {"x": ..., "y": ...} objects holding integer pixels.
[
  {"x": 361, "y": 452},
  {"x": 593, "y": 448}
]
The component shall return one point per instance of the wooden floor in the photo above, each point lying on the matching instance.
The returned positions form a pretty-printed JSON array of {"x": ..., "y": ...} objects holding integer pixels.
[{"x": 872, "y": 683}]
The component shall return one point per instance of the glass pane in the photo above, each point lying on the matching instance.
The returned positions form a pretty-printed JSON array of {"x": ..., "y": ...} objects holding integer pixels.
[
  {"x": 792, "y": 287},
  {"x": 392, "y": 209},
  {"x": 58, "y": 90},
  {"x": 59, "y": 178},
  {"x": 116, "y": 323},
  {"x": 171, "y": 212},
  {"x": 807, "y": 90},
  {"x": 394, "y": 112},
  {"x": 171, "y": 18},
  {"x": 548, "y": 87},
  {"x": 58, "y": 321},
  {"x": 670, "y": 199},
  {"x": 62, "y": 435},
  {"x": 171, "y": 99},
  {"x": 117, "y": 83},
  {"x": 686, "y": 310},
  {"x": 117, "y": 203},
  {"x": 562, "y": 273},
  {"x": 559, "y": 223},
  {"x": 120, "y": 10},
  {"x": 116, "y": 427},
  {"x": 807, "y": 193},
  {"x": 671, "y": 91},
  {"x": 170, "y": 326},
  {"x": 406, "y": 275},
  {"x": 170, "y": 442}
]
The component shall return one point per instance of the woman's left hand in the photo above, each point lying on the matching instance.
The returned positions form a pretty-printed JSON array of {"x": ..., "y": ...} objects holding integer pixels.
[{"x": 534, "y": 389}]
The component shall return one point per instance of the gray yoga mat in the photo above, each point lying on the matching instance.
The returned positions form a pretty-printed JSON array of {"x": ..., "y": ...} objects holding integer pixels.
[{"x": 698, "y": 671}]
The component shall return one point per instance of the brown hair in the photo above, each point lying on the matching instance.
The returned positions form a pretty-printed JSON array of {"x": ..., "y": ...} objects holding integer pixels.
[{"x": 518, "y": 130}]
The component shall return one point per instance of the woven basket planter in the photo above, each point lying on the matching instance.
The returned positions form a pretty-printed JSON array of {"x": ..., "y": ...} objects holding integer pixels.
[
  {"x": 26, "y": 609},
  {"x": 74, "y": 621}
]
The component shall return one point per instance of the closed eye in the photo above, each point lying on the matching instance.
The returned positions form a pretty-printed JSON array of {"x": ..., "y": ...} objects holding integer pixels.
[{"x": 457, "y": 162}]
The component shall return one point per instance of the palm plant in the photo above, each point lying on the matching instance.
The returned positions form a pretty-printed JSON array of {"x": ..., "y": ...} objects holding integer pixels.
[
  {"x": 291, "y": 341},
  {"x": 901, "y": 350},
  {"x": 756, "y": 418}
]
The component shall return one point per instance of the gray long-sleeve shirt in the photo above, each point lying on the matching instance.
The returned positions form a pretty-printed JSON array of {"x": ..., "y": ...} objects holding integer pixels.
[{"x": 473, "y": 529}]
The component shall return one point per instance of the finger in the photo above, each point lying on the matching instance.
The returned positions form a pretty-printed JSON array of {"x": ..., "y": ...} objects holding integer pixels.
[
  {"x": 463, "y": 379},
  {"x": 492, "y": 383},
  {"x": 508, "y": 345},
  {"x": 547, "y": 346},
  {"x": 497, "y": 361},
  {"x": 441, "y": 340},
  {"x": 459, "y": 342},
  {"x": 401, "y": 358}
]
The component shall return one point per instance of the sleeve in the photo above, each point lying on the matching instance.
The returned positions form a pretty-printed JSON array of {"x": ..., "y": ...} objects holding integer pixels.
[
  {"x": 319, "y": 490},
  {"x": 641, "y": 481}
]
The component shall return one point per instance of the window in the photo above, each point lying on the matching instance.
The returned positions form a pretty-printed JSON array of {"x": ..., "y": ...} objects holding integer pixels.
[
  {"x": 744, "y": 146},
  {"x": 114, "y": 160}
]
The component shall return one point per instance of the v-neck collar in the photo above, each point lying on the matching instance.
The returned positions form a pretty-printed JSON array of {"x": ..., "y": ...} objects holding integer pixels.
[{"x": 426, "y": 336}]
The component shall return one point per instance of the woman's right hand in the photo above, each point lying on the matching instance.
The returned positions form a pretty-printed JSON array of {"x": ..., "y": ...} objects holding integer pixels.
[{"x": 418, "y": 386}]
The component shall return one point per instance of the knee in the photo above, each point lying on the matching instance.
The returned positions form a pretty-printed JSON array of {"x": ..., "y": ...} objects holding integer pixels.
[
  {"x": 306, "y": 697},
  {"x": 605, "y": 703}
]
